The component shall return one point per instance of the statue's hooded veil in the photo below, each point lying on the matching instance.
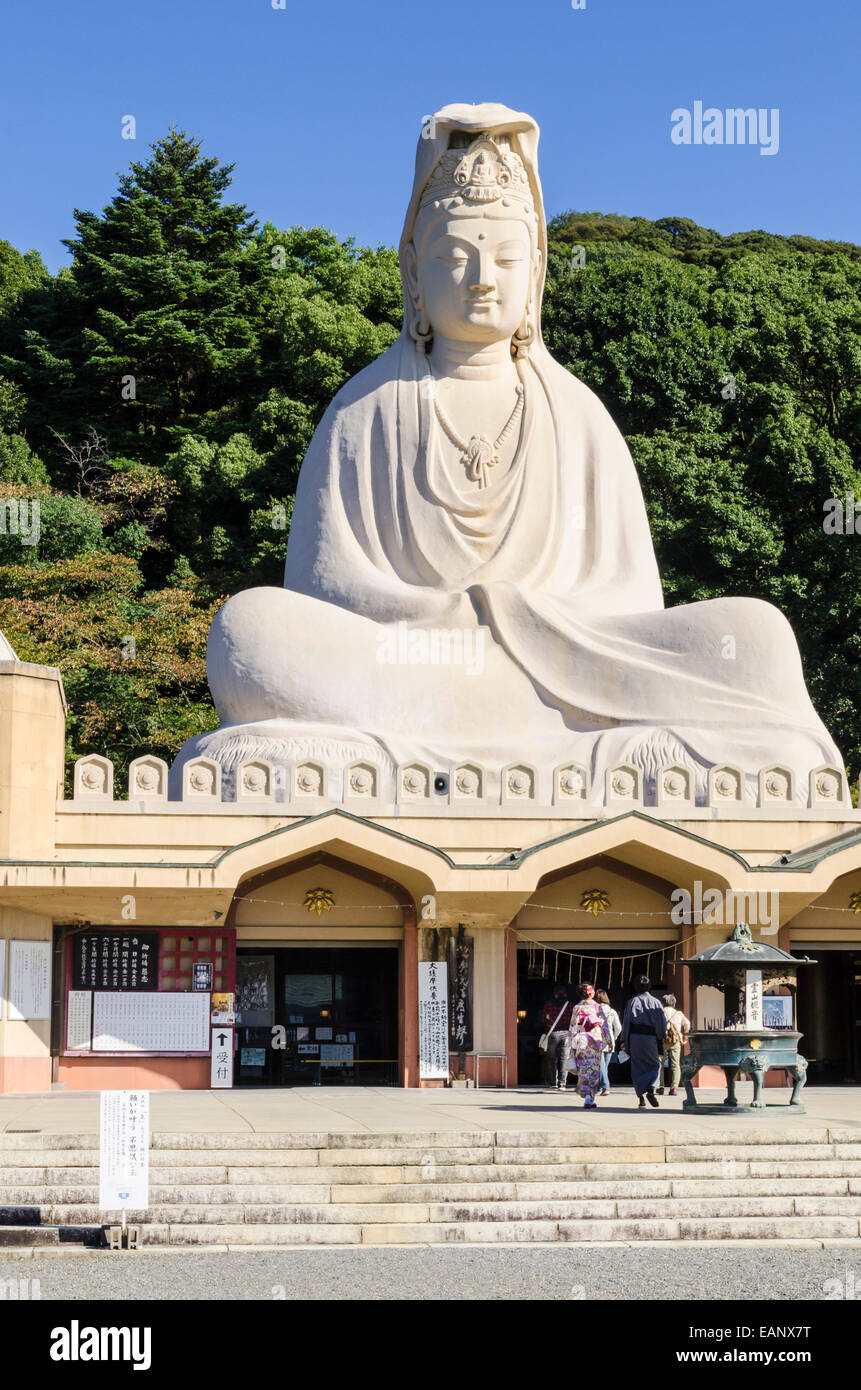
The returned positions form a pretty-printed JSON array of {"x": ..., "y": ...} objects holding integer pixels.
[{"x": 489, "y": 118}]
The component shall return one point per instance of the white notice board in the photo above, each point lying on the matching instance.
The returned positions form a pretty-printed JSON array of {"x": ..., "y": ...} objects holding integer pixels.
[
  {"x": 79, "y": 1016},
  {"x": 150, "y": 1021},
  {"x": 124, "y": 1150},
  {"x": 433, "y": 1019},
  {"x": 29, "y": 979}
]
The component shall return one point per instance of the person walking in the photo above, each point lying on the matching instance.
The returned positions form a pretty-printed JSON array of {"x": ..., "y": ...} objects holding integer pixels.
[
  {"x": 602, "y": 999},
  {"x": 644, "y": 1028},
  {"x": 589, "y": 1034},
  {"x": 555, "y": 1018},
  {"x": 678, "y": 1027}
]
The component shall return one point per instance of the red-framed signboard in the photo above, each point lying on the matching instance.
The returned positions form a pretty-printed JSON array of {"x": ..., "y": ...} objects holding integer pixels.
[{"x": 139, "y": 982}]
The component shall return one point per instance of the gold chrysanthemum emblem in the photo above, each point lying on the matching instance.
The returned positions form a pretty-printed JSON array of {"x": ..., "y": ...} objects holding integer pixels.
[
  {"x": 855, "y": 902},
  {"x": 595, "y": 900},
  {"x": 319, "y": 900}
]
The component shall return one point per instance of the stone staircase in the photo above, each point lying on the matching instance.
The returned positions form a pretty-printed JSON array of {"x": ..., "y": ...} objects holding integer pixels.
[{"x": 265, "y": 1190}]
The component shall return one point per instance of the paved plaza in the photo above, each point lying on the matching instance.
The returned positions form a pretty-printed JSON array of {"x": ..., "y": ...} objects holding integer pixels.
[{"x": 388, "y": 1110}]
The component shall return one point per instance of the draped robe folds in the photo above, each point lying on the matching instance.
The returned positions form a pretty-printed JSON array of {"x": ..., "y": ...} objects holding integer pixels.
[
  {"x": 548, "y": 572},
  {"x": 426, "y": 618}
]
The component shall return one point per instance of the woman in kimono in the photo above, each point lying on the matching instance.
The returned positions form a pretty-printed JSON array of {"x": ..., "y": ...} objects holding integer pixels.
[
  {"x": 588, "y": 1033},
  {"x": 644, "y": 1028}
]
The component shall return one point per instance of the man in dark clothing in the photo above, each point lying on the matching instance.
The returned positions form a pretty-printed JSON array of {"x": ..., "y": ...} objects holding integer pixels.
[
  {"x": 644, "y": 1028},
  {"x": 555, "y": 1018}
]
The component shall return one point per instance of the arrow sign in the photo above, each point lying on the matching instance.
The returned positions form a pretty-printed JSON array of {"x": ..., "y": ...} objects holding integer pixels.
[{"x": 221, "y": 1069}]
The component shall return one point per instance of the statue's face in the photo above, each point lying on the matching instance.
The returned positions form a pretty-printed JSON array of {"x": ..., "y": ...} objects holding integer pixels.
[{"x": 476, "y": 275}]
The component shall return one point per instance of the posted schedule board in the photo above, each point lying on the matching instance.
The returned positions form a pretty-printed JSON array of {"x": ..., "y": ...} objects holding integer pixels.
[
  {"x": 150, "y": 1022},
  {"x": 29, "y": 980},
  {"x": 433, "y": 1020},
  {"x": 115, "y": 960}
]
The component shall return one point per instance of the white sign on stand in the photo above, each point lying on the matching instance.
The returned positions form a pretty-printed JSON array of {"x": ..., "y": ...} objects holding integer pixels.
[
  {"x": 221, "y": 1071},
  {"x": 433, "y": 1020},
  {"x": 29, "y": 980},
  {"x": 124, "y": 1151},
  {"x": 753, "y": 999}
]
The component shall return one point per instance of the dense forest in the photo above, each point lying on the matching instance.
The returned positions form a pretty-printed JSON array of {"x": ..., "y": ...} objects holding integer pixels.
[{"x": 157, "y": 397}]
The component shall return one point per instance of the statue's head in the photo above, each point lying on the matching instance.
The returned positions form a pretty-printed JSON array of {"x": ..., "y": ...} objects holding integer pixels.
[{"x": 472, "y": 253}]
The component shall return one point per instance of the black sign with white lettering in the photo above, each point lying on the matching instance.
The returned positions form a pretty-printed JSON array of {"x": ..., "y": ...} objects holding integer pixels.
[{"x": 115, "y": 960}]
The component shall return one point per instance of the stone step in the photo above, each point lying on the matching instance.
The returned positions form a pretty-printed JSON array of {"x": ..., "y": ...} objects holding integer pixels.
[
  {"x": 684, "y": 1153},
  {"x": 434, "y": 1210},
  {"x": 26, "y": 1236},
  {"x": 644, "y": 1209},
  {"x": 45, "y": 1198},
  {"x": 791, "y": 1135},
  {"x": 59, "y": 1177},
  {"x": 517, "y": 1232}
]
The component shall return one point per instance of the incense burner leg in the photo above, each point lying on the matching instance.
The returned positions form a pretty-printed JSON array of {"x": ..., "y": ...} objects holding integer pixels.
[
  {"x": 756, "y": 1071},
  {"x": 730, "y": 1074},
  {"x": 690, "y": 1067},
  {"x": 799, "y": 1072}
]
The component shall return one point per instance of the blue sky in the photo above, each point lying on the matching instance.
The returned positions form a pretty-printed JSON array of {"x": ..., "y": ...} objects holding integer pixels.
[{"x": 319, "y": 104}]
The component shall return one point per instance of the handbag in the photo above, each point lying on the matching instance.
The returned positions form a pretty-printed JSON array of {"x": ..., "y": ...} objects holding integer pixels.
[{"x": 544, "y": 1040}]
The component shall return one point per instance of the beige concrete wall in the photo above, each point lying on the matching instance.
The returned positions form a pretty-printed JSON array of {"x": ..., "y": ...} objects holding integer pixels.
[
  {"x": 32, "y": 739},
  {"x": 25, "y": 1044},
  {"x": 358, "y": 905},
  {"x": 488, "y": 989}
]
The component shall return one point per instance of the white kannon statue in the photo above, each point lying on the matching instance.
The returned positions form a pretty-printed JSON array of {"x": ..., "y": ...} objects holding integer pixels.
[{"x": 469, "y": 573}]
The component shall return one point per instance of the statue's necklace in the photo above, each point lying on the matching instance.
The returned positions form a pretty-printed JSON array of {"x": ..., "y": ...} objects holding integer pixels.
[{"x": 478, "y": 453}]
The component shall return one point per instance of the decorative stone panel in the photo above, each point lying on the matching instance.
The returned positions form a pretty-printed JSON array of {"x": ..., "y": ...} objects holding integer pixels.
[
  {"x": 94, "y": 779},
  {"x": 676, "y": 788},
  {"x": 624, "y": 786},
  {"x": 148, "y": 780},
  {"x": 519, "y": 784},
  {"x": 828, "y": 787},
  {"x": 415, "y": 782},
  {"x": 570, "y": 784},
  {"x": 309, "y": 781},
  {"x": 361, "y": 782},
  {"x": 726, "y": 785},
  {"x": 201, "y": 781},
  {"x": 254, "y": 781},
  {"x": 467, "y": 783},
  {"x": 776, "y": 786}
]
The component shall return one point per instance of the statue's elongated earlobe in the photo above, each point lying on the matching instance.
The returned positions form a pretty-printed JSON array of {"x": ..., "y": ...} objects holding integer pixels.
[{"x": 417, "y": 317}]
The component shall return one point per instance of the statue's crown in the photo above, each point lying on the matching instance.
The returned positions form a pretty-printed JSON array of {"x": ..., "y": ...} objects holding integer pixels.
[{"x": 479, "y": 171}]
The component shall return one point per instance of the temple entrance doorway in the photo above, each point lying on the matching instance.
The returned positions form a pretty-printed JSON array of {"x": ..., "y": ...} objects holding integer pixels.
[
  {"x": 537, "y": 972},
  {"x": 316, "y": 1015},
  {"x": 829, "y": 1014}
]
